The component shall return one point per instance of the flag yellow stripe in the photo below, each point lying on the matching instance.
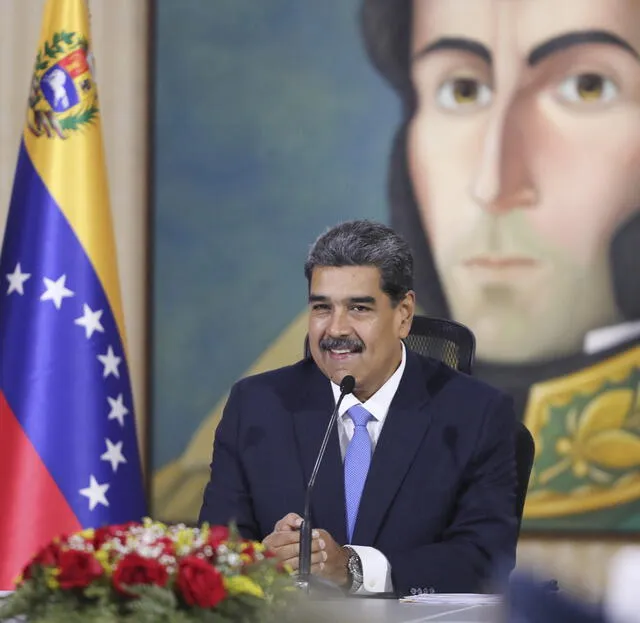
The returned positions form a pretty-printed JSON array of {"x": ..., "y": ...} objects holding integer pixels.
[{"x": 74, "y": 172}]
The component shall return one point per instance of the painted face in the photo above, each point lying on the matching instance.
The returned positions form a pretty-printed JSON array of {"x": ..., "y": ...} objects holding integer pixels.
[
  {"x": 354, "y": 328},
  {"x": 524, "y": 155}
]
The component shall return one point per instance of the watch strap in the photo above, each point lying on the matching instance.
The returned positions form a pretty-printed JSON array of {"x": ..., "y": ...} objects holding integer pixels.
[{"x": 354, "y": 569}]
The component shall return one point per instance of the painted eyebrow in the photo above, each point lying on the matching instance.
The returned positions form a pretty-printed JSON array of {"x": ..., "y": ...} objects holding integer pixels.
[
  {"x": 575, "y": 38},
  {"x": 459, "y": 44},
  {"x": 539, "y": 53}
]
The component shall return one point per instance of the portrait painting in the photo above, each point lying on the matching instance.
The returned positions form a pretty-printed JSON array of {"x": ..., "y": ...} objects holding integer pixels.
[{"x": 501, "y": 138}]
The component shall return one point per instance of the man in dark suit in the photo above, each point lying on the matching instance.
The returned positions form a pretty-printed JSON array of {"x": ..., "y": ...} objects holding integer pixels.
[{"x": 417, "y": 489}]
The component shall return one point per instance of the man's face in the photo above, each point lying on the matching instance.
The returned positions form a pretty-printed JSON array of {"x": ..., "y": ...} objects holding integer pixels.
[
  {"x": 524, "y": 155},
  {"x": 353, "y": 327}
]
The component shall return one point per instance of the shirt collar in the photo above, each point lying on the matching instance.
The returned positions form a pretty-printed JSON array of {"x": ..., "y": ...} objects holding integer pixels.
[
  {"x": 378, "y": 405},
  {"x": 604, "y": 338}
]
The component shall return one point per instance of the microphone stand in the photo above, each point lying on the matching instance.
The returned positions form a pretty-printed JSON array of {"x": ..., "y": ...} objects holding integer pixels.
[{"x": 304, "y": 556}]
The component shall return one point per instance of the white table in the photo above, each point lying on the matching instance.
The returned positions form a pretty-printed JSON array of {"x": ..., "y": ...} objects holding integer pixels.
[{"x": 368, "y": 610}]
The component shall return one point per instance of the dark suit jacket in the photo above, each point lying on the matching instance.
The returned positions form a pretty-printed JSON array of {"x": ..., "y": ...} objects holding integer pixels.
[{"x": 439, "y": 501}]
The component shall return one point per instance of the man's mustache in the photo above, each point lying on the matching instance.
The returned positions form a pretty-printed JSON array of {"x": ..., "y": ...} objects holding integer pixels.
[{"x": 342, "y": 343}]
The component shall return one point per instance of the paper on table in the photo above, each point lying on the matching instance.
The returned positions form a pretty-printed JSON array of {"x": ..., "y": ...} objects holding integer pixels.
[{"x": 454, "y": 599}]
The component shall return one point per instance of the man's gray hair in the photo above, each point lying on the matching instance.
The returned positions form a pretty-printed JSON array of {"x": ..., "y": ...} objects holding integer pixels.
[{"x": 366, "y": 243}]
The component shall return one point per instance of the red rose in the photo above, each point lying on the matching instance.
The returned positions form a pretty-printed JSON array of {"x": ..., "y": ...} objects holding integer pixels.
[
  {"x": 249, "y": 550},
  {"x": 116, "y": 531},
  {"x": 47, "y": 557},
  {"x": 134, "y": 569},
  {"x": 127, "y": 525},
  {"x": 200, "y": 583},
  {"x": 168, "y": 546},
  {"x": 78, "y": 569},
  {"x": 104, "y": 534},
  {"x": 217, "y": 534}
]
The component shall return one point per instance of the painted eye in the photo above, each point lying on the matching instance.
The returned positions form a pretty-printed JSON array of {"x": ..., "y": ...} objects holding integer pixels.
[
  {"x": 588, "y": 88},
  {"x": 461, "y": 93}
]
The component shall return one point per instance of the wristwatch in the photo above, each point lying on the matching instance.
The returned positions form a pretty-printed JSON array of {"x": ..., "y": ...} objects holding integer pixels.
[{"x": 354, "y": 570}]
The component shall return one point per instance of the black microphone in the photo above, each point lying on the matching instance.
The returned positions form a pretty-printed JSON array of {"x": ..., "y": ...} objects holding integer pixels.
[{"x": 304, "y": 556}]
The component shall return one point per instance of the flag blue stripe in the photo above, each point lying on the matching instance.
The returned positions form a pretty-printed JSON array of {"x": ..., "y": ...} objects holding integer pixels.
[{"x": 49, "y": 370}]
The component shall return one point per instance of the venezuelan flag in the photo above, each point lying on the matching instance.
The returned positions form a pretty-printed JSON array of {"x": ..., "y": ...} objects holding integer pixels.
[{"x": 68, "y": 448}]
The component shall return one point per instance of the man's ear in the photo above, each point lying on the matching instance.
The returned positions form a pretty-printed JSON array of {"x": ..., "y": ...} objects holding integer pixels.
[{"x": 406, "y": 309}]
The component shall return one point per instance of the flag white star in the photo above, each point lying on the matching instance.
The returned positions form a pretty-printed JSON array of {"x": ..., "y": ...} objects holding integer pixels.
[
  {"x": 56, "y": 291},
  {"x": 96, "y": 493},
  {"x": 16, "y": 280},
  {"x": 118, "y": 410},
  {"x": 113, "y": 454},
  {"x": 110, "y": 363},
  {"x": 90, "y": 320}
]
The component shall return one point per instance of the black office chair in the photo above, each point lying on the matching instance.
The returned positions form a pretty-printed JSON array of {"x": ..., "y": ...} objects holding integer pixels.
[
  {"x": 525, "y": 454},
  {"x": 454, "y": 344},
  {"x": 444, "y": 340}
]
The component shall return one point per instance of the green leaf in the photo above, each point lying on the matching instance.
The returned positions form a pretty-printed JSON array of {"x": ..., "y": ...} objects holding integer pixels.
[
  {"x": 42, "y": 65},
  {"x": 67, "y": 37},
  {"x": 49, "y": 51},
  {"x": 73, "y": 122}
]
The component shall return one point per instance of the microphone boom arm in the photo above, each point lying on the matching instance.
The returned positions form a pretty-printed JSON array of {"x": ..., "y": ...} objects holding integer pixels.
[{"x": 304, "y": 555}]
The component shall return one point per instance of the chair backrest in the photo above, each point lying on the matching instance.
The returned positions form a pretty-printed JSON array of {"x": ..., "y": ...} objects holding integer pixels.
[
  {"x": 444, "y": 340},
  {"x": 525, "y": 454}
]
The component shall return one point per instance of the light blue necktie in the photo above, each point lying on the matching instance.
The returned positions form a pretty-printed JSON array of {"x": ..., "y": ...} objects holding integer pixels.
[{"x": 356, "y": 464}]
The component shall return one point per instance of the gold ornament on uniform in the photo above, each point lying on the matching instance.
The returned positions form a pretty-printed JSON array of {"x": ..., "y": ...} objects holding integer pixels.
[{"x": 586, "y": 427}]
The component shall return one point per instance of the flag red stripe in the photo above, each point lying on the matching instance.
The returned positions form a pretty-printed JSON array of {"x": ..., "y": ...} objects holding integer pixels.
[{"x": 33, "y": 507}]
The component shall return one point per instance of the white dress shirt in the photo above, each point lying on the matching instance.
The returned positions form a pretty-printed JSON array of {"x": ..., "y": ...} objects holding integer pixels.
[{"x": 376, "y": 569}]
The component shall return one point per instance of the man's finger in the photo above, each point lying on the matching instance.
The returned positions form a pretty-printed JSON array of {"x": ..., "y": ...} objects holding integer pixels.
[
  {"x": 288, "y": 552},
  {"x": 277, "y": 540},
  {"x": 289, "y": 522},
  {"x": 317, "y": 569},
  {"x": 292, "y": 551},
  {"x": 316, "y": 560},
  {"x": 280, "y": 539}
]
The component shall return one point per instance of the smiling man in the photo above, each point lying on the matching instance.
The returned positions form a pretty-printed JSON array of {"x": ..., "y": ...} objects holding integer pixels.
[
  {"x": 515, "y": 177},
  {"x": 417, "y": 488}
]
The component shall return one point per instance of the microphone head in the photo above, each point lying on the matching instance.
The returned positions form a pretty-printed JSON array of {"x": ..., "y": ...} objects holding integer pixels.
[{"x": 347, "y": 384}]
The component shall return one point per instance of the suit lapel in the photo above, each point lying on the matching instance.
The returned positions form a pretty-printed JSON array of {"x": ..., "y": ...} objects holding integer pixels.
[
  {"x": 402, "y": 434},
  {"x": 311, "y": 418}
]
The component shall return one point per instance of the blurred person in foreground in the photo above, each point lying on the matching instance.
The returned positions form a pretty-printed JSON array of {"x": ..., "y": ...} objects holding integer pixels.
[
  {"x": 417, "y": 488},
  {"x": 530, "y": 601}
]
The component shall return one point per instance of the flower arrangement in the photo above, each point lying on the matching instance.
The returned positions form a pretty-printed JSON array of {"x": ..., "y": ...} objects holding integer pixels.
[{"x": 150, "y": 572}]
